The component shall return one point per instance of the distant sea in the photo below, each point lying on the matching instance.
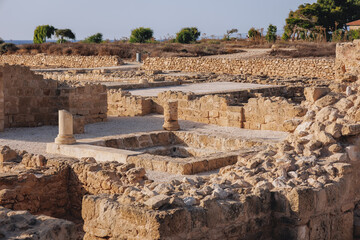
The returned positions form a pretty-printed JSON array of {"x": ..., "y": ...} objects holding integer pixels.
[
  {"x": 24, "y": 41},
  {"x": 19, "y": 41}
]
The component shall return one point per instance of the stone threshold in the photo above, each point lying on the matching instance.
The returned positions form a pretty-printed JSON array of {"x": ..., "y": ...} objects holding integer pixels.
[{"x": 101, "y": 154}]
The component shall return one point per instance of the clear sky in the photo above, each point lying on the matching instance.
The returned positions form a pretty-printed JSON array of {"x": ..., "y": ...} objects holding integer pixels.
[{"x": 115, "y": 18}]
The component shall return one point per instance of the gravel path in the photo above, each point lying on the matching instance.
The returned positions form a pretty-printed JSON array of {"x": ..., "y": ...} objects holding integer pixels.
[
  {"x": 200, "y": 88},
  {"x": 248, "y": 53}
]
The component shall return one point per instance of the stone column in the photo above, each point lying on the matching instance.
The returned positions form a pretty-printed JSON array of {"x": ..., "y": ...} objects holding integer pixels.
[
  {"x": 66, "y": 124},
  {"x": 171, "y": 116}
]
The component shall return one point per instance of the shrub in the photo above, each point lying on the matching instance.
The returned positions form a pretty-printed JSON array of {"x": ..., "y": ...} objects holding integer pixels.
[
  {"x": 353, "y": 34},
  {"x": 1, "y": 41},
  {"x": 96, "y": 38},
  {"x": 188, "y": 35},
  {"x": 7, "y": 47},
  {"x": 229, "y": 33},
  {"x": 141, "y": 35},
  {"x": 254, "y": 34},
  {"x": 271, "y": 33},
  {"x": 42, "y": 32},
  {"x": 337, "y": 35}
]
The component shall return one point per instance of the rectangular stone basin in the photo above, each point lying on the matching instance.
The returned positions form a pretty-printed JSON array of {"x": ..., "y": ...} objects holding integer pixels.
[{"x": 180, "y": 152}]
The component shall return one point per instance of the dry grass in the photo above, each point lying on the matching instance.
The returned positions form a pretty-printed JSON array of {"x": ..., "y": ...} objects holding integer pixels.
[
  {"x": 126, "y": 50},
  {"x": 299, "y": 50},
  {"x": 166, "y": 49}
]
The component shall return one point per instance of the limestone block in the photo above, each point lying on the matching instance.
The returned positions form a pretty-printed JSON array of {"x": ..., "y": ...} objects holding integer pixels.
[
  {"x": 158, "y": 201},
  {"x": 291, "y": 125},
  {"x": 314, "y": 93},
  {"x": 350, "y": 129},
  {"x": 334, "y": 129},
  {"x": 353, "y": 152},
  {"x": 302, "y": 202},
  {"x": 327, "y": 100},
  {"x": 7, "y": 154}
]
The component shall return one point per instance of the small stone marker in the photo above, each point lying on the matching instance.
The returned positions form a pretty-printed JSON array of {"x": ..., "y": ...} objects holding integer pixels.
[
  {"x": 66, "y": 132},
  {"x": 171, "y": 116}
]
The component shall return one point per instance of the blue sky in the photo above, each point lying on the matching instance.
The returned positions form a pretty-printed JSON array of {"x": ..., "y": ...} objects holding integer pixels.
[{"x": 116, "y": 18}]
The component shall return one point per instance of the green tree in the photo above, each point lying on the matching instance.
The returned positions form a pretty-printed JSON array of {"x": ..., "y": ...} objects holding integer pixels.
[
  {"x": 42, "y": 32},
  {"x": 141, "y": 35},
  {"x": 1, "y": 41},
  {"x": 254, "y": 34},
  {"x": 330, "y": 15},
  {"x": 187, "y": 35},
  {"x": 96, "y": 38},
  {"x": 271, "y": 33},
  {"x": 64, "y": 35}
]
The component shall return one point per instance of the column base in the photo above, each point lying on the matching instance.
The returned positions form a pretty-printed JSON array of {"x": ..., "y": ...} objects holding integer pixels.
[
  {"x": 172, "y": 126},
  {"x": 65, "y": 139}
]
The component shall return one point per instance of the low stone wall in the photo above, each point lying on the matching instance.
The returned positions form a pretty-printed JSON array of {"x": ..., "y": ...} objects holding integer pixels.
[
  {"x": 56, "y": 186},
  {"x": 305, "y": 67},
  {"x": 42, "y": 60},
  {"x": 347, "y": 61},
  {"x": 31, "y": 101},
  {"x": 261, "y": 113},
  {"x": 252, "y": 113}
]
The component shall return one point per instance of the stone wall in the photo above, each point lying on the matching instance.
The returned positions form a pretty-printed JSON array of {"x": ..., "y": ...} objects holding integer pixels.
[
  {"x": 37, "y": 193},
  {"x": 305, "y": 67},
  {"x": 347, "y": 61},
  {"x": 293, "y": 213},
  {"x": 270, "y": 113},
  {"x": 123, "y": 104},
  {"x": 250, "y": 219},
  {"x": 42, "y": 60},
  {"x": 88, "y": 100},
  {"x": 30, "y": 101}
]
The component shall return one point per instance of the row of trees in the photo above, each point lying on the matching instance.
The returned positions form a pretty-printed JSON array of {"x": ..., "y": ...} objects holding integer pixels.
[
  {"x": 138, "y": 35},
  {"x": 43, "y": 32},
  {"x": 185, "y": 35}
]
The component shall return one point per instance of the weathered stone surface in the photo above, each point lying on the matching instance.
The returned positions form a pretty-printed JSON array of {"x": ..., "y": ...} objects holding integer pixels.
[
  {"x": 7, "y": 154},
  {"x": 350, "y": 129},
  {"x": 157, "y": 201},
  {"x": 41, "y": 60},
  {"x": 23, "y": 225},
  {"x": 320, "y": 68},
  {"x": 314, "y": 93}
]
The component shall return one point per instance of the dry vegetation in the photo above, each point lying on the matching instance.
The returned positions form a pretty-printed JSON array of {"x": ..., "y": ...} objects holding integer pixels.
[
  {"x": 299, "y": 50},
  {"x": 167, "y": 49},
  {"x": 126, "y": 50}
]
